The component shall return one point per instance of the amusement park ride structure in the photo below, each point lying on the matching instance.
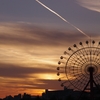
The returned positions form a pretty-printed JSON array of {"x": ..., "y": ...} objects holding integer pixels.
[{"x": 80, "y": 64}]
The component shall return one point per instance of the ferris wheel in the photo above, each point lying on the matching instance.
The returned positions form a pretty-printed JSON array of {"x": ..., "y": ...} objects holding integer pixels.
[{"x": 79, "y": 67}]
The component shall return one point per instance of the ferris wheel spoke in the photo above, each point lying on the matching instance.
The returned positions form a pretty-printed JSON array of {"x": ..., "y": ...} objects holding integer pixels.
[
  {"x": 97, "y": 60},
  {"x": 77, "y": 84},
  {"x": 97, "y": 48},
  {"x": 80, "y": 58},
  {"x": 83, "y": 55},
  {"x": 96, "y": 79},
  {"x": 78, "y": 79},
  {"x": 98, "y": 53}
]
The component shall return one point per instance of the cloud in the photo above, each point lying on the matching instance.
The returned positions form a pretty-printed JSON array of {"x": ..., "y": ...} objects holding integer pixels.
[
  {"x": 34, "y": 35},
  {"x": 93, "y": 5},
  {"x": 28, "y": 44},
  {"x": 27, "y": 48},
  {"x": 30, "y": 84},
  {"x": 29, "y": 55},
  {"x": 15, "y": 71},
  {"x": 26, "y": 86}
]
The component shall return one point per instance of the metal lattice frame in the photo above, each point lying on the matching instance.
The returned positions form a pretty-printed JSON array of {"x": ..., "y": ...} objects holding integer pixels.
[{"x": 77, "y": 63}]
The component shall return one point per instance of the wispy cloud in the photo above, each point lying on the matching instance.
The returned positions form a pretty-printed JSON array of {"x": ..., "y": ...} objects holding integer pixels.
[
  {"x": 33, "y": 35},
  {"x": 90, "y": 4},
  {"x": 12, "y": 71},
  {"x": 29, "y": 52}
]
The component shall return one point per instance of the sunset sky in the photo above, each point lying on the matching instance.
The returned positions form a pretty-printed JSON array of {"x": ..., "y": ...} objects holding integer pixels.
[{"x": 32, "y": 39}]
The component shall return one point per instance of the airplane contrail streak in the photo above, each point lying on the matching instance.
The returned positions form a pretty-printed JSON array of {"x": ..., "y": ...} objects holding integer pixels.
[{"x": 62, "y": 18}]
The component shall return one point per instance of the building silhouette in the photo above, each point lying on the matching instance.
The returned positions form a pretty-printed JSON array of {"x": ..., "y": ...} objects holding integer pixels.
[{"x": 65, "y": 94}]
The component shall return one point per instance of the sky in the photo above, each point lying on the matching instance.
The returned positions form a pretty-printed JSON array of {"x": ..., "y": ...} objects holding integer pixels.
[{"x": 32, "y": 39}]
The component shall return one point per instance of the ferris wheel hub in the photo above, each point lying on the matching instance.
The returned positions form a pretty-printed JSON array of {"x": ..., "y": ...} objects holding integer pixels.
[{"x": 91, "y": 69}]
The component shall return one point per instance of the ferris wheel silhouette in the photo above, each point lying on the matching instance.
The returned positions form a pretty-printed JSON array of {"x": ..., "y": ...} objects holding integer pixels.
[{"x": 81, "y": 66}]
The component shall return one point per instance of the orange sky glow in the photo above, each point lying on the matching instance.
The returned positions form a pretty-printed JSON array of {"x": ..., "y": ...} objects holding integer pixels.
[
  {"x": 29, "y": 57},
  {"x": 33, "y": 37},
  {"x": 25, "y": 63}
]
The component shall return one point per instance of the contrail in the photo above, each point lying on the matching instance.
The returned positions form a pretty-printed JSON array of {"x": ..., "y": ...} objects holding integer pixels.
[{"x": 61, "y": 18}]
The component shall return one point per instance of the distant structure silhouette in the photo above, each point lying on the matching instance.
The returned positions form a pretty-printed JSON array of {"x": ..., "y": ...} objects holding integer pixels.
[{"x": 81, "y": 65}]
